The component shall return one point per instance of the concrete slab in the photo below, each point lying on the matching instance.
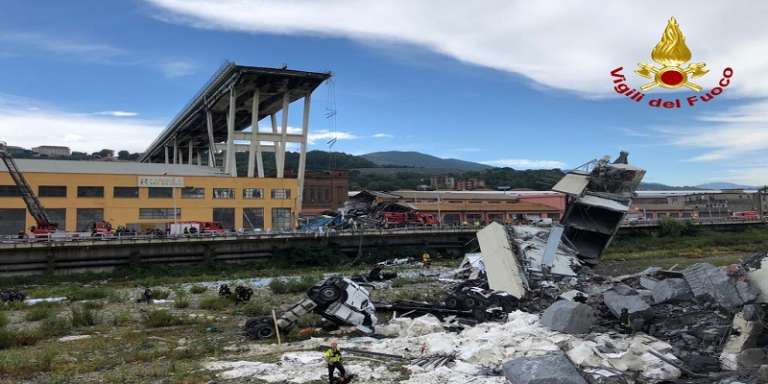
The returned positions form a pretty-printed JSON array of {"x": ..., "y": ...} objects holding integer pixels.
[
  {"x": 553, "y": 368},
  {"x": 503, "y": 270}
]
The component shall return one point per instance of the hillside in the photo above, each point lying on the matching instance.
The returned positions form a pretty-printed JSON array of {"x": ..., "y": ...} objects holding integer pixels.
[
  {"x": 721, "y": 185},
  {"x": 421, "y": 160}
]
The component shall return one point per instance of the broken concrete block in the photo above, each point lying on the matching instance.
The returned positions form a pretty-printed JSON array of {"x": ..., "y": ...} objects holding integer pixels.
[
  {"x": 648, "y": 282},
  {"x": 743, "y": 336},
  {"x": 639, "y": 309},
  {"x": 747, "y": 292},
  {"x": 751, "y": 358},
  {"x": 568, "y": 317},
  {"x": 708, "y": 282},
  {"x": 672, "y": 290},
  {"x": 752, "y": 312},
  {"x": 553, "y": 368},
  {"x": 762, "y": 374}
]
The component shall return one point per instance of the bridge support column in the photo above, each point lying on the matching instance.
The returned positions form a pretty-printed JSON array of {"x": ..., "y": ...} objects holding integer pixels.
[
  {"x": 254, "y": 151},
  {"x": 284, "y": 133},
  {"x": 230, "y": 159},
  {"x": 303, "y": 148}
]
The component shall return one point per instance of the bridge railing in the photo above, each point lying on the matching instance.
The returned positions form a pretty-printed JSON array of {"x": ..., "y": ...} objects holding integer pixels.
[
  {"x": 696, "y": 221},
  {"x": 79, "y": 238}
]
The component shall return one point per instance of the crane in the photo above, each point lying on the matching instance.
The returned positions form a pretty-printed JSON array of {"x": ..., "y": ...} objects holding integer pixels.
[{"x": 44, "y": 225}]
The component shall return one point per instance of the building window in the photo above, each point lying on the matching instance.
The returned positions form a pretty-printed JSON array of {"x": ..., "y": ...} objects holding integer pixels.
[
  {"x": 281, "y": 219},
  {"x": 52, "y": 191},
  {"x": 253, "y": 193},
  {"x": 281, "y": 193},
  {"x": 125, "y": 192},
  {"x": 451, "y": 219},
  {"x": 87, "y": 216},
  {"x": 9, "y": 191},
  {"x": 90, "y": 191},
  {"x": 223, "y": 193},
  {"x": 192, "y": 193},
  {"x": 553, "y": 216},
  {"x": 14, "y": 221},
  {"x": 161, "y": 193},
  {"x": 253, "y": 218},
  {"x": 225, "y": 217},
  {"x": 159, "y": 213},
  {"x": 58, "y": 216}
]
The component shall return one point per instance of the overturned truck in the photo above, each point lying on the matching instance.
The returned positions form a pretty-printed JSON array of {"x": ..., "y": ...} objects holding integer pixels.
[{"x": 340, "y": 300}]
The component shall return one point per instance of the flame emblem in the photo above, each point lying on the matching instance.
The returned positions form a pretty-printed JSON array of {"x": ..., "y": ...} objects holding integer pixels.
[{"x": 671, "y": 53}]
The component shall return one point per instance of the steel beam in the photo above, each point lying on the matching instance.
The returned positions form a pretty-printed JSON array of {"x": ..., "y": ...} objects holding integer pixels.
[
  {"x": 166, "y": 154},
  {"x": 191, "y": 147}
]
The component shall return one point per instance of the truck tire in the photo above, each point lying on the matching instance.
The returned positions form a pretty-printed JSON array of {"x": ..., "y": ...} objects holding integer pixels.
[
  {"x": 452, "y": 302},
  {"x": 330, "y": 294},
  {"x": 259, "y": 328}
]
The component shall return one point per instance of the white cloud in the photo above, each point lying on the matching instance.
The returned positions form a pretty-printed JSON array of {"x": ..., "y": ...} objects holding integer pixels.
[
  {"x": 563, "y": 45},
  {"x": 55, "y": 44},
  {"x": 117, "y": 113},
  {"x": 177, "y": 68},
  {"x": 325, "y": 135},
  {"x": 28, "y": 125},
  {"x": 526, "y": 163},
  {"x": 382, "y": 136}
]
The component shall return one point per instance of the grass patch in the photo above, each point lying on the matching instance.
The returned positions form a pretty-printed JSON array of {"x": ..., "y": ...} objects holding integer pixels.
[
  {"x": 162, "y": 318},
  {"x": 197, "y": 289},
  {"x": 40, "y": 311},
  {"x": 293, "y": 285},
  {"x": 120, "y": 318},
  {"x": 55, "y": 326},
  {"x": 85, "y": 316},
  {"x": 160, "y": 294},
  {"x": 3, "y": 319},
  {"x": 214, "y": 303},
  {"x": 700, "y": 244},
  {"x": 181, "y": 300}
]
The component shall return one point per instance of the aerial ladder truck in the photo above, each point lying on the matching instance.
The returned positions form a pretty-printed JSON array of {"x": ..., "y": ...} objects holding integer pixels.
[{"x": 43, "y": 226}]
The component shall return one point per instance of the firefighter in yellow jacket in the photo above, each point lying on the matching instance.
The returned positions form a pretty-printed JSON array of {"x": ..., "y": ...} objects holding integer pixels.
[{"x": 334, "y": 360}]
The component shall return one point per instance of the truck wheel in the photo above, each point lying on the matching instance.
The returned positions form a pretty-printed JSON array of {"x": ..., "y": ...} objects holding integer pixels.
[
  {"x": 470, "y": 302},
  {"x": 451, "y": 302},
  {"x": 259, "y": 329},
  {"x": 330, "y": 294}
]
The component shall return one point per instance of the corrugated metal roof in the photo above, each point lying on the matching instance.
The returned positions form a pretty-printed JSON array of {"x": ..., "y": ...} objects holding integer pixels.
[
  {"x": 484, "y": 195},
  {"x": 113, "y": 168}
]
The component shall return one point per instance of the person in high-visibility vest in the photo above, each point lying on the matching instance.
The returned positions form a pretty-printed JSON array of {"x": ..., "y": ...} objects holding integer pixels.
[
  {"x": 334, "y": 360},
  {"x": 426, "y": 261}
]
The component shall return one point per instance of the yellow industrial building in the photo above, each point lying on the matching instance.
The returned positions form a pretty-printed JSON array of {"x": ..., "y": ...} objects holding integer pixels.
[{"x": 142, "y": 196}]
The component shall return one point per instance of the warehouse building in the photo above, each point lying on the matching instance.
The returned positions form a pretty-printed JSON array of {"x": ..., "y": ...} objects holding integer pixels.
[
  {"x": 145, "y": 196},
  {"x": 189, "y": 172}
]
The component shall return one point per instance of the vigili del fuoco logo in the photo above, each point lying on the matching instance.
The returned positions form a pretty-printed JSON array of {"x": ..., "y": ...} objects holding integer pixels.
[{"x": 671, "y": 54}]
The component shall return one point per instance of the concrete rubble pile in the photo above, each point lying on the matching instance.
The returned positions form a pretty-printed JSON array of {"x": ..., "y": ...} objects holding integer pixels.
[
  {"x": 528, "y": 309},
  {"x": 711, "y": 318}
]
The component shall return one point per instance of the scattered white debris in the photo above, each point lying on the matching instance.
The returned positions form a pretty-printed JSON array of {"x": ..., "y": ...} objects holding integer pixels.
[
  {"x": 477, "y": 348},
  {"x": 45, "y": 300},
  {"x": 74, "y": 337}
]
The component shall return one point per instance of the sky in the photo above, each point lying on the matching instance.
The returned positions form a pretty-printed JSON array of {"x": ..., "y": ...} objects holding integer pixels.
[{"x": 508, "y": 83}]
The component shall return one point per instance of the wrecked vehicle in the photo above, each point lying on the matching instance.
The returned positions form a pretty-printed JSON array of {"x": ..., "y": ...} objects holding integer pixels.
[{"x": 340, "y": 300}]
